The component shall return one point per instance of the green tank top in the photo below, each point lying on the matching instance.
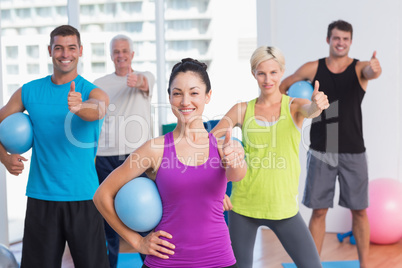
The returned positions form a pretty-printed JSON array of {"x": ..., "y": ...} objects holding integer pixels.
[{"x": 270, "y": 188}]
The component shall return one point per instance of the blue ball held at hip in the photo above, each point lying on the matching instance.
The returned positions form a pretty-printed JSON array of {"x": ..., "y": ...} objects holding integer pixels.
[
  {"x": 16, "y": 133},
  {"x": 7, "y": 258},
  {"x": 301, "y": 89},
  {"x": 138, "y": 204}
]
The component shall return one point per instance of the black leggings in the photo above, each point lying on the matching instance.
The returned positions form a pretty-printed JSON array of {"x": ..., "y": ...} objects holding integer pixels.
[{"x": 293, "y": 234}]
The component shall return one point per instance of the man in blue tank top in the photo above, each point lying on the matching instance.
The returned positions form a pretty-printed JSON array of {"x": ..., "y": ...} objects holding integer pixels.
[
  {"x": 337, "y": 146},
  {"x": 67, "y": 114}
]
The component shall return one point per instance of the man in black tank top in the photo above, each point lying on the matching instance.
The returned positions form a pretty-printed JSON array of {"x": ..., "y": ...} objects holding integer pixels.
[{"x": 336, "y": 137}]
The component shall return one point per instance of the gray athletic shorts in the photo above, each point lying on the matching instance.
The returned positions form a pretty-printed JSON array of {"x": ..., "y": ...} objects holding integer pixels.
[{"x": 322, "y": 171}]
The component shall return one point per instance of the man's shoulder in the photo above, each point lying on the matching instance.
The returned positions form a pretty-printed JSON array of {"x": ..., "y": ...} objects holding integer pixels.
[
  {"x": 105, "y": 77},
  {"x": 39, "y": 80},
  {"x": 147, "y": 74},
  {"x": 314, "y": 63},
  {"x": 142, "y": 72}
]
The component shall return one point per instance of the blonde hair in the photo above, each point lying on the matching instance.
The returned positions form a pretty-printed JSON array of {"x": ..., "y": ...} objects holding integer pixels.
[{"x": 264, "y": 53}]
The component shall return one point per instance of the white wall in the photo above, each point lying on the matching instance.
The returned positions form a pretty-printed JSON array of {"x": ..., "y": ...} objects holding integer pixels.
[
  {"x": 299, "y": 29},
  {"x": 234, "y": 40}
]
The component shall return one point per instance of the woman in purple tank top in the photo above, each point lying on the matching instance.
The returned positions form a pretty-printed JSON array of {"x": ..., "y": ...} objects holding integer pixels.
[{"x": 190, "y": 168}]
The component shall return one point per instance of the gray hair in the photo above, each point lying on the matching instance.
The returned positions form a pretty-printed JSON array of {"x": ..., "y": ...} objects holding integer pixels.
[{"x": 118, "y": 38}]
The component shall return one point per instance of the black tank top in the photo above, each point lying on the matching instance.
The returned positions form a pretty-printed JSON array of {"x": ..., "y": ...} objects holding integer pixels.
[{"x": 339, "y": 129}]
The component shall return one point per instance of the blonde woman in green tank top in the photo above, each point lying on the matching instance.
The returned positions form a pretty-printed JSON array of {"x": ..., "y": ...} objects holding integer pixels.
[{"x": 268, "y": 195}]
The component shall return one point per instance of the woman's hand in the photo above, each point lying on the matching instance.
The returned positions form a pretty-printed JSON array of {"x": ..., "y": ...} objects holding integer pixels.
[
  {"x": 233, "y": 152},
  {"x": 152, "y": 244},
  {"x": 227, "y": 204}
]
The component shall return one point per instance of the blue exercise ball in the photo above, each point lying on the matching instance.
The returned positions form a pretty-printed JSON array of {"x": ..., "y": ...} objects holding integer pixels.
[
  {"x": 139, "y": 205},
  {"x": 16, "y": 133},
  {"x": 7, "y": 259},
  {"x": 301, "y": 89}
]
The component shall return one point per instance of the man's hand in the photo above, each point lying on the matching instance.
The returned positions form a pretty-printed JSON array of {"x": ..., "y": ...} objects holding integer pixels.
[
  {"x": 74, "y": 99},
  {"x": 132, "y": 78},
  {"x": 374, "y": 63},
  {"x": 14, "y": 164}
]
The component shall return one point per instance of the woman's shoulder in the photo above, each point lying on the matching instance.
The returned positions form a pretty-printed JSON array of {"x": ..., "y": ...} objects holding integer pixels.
[
  {"x": 153, "y": 147},
  {"x": 239, "y": 107}
]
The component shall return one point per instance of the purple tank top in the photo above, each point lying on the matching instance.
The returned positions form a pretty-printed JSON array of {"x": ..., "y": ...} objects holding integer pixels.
[{"x": 192, "y": 199}]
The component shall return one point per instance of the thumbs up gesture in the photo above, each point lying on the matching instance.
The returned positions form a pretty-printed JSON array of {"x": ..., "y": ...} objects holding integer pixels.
[
  {"x": 375, "y": 63},
  {"x": 74, "y": 99},
  {"x": 233, "y": 152},
  {"x": 131, "y": 78},
  {"x": 319, "y": 98}
]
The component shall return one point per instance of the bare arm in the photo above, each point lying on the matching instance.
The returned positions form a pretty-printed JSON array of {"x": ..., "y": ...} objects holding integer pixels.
[
  {"x": 372, "y": 69},
  {"x": 303, "y": 108},
  {"x": 305, "y": 72},
  {"x": 233, "y": 118},
  {"x": 144, "y": 158},
  {"x": 232, "y": 155},
  {"x": 92, "y": 109},
  {"x": 12, "y": 162},
  {"x": 141, "y": 81}
]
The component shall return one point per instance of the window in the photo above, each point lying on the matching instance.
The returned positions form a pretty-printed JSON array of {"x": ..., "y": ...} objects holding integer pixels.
[
  {"x": 33, "y": 68},
  {"x": 110, "y": 9},
  {"x": 131, "y": 7},
  {"x": 61, "y": 11},
  {"x": 33, "y": 51},
  {"x": 12, "y": 52},
  {"x": 135, "y": 27},
  {"x": 98, "y": 67},
  {"x": 6, "y": 15},
  {"x": 23, "y": 13},
  {"x": 98, "y": 49},
  {"x": 12, "y": 69},
  {"x": 44, "y": 12},
  {"x": 88, "y": 10}
]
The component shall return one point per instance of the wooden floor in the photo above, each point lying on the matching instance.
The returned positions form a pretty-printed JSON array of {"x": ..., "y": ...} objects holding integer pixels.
[{"x": 269, "y": 253}]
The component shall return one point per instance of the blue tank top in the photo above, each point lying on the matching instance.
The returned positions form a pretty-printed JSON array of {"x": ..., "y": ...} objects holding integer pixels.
[
  {"x": 192, "y": 200},
  {"x": 64, "y": 147}
]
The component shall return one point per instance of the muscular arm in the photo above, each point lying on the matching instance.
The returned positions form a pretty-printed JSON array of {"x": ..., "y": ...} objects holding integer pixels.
[
  {"x": 12, "y": 162},
  {"x": 371, "y": 69},
  {"x": 305, "y": 72},
  {"x": 92, "y": 109}
]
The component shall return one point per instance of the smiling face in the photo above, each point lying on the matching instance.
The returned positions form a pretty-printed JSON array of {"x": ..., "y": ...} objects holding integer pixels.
[
  {"x": 122, "y": 56},
  {"x": 188, "y": 96},
  {"x": 268, "y": 75},
  {"x": 65, "y": 52},
  {"x": 339, "y": 43}
]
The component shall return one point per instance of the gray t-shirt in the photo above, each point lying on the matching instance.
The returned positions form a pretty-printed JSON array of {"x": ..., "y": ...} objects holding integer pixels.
[{"x": 128, "y": 122}]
